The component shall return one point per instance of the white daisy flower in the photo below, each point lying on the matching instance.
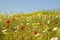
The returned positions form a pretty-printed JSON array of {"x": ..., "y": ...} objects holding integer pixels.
[
  {"x": 27, "y": 23},
  {"x": 4, "y": 30},
  {"x": 17, "y": 27},
  {"x": 54, "y": 29},
  {"x": 44, "y": 31},
  {"x": 27, "y": 17},
  {"x": 48, "y": 21},
  {"x": 15, "y": 31},
  {"x": 54, "y": 38},
  {"x": 37, "y": 35}
]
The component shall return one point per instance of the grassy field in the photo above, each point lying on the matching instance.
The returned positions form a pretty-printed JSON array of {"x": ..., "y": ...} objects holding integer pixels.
[{"x": 41, "y": 25}]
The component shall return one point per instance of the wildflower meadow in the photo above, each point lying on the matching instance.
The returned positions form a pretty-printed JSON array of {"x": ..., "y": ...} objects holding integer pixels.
[{"x": 41, "y": 25}]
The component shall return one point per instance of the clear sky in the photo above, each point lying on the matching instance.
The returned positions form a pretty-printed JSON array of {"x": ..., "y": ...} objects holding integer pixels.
[{"x": 28, "y": 5}]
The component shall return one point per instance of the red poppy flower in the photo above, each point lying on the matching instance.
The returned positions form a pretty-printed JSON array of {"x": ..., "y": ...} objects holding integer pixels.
[
  {"x": 36, "y": 32},
  {"x": 8, "y": 21},
  {"x": 22, "y": 27}
]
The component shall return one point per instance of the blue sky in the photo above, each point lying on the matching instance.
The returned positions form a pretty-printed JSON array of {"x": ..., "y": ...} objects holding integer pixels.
[{"x": 28, "y": 5}]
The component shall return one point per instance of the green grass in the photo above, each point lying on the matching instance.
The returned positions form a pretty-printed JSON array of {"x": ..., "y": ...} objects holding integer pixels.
[{"x": 42, "y": 25}]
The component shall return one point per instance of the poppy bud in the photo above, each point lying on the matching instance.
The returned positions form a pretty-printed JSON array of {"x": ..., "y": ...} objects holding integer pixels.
[
  {"x": 23, "y": 27},
  {"x": 13, "y": 19},
  {"x": 36, "y": 32}
]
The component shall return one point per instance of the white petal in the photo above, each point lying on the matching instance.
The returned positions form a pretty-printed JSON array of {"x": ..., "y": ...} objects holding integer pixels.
[
  {"x": 15, "y": 31},
  {"x": 4, "y": 30},
  {"x": 37, "y": 35},
  {"x": 54, "y": 29},
  {"x": 44, "y": 31},
  {"x": 27, "y": 23},
  {"x": 27, "y": 17},
  {"x": 54, "y": 38},
  {"x": 48, "y": 21}
]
